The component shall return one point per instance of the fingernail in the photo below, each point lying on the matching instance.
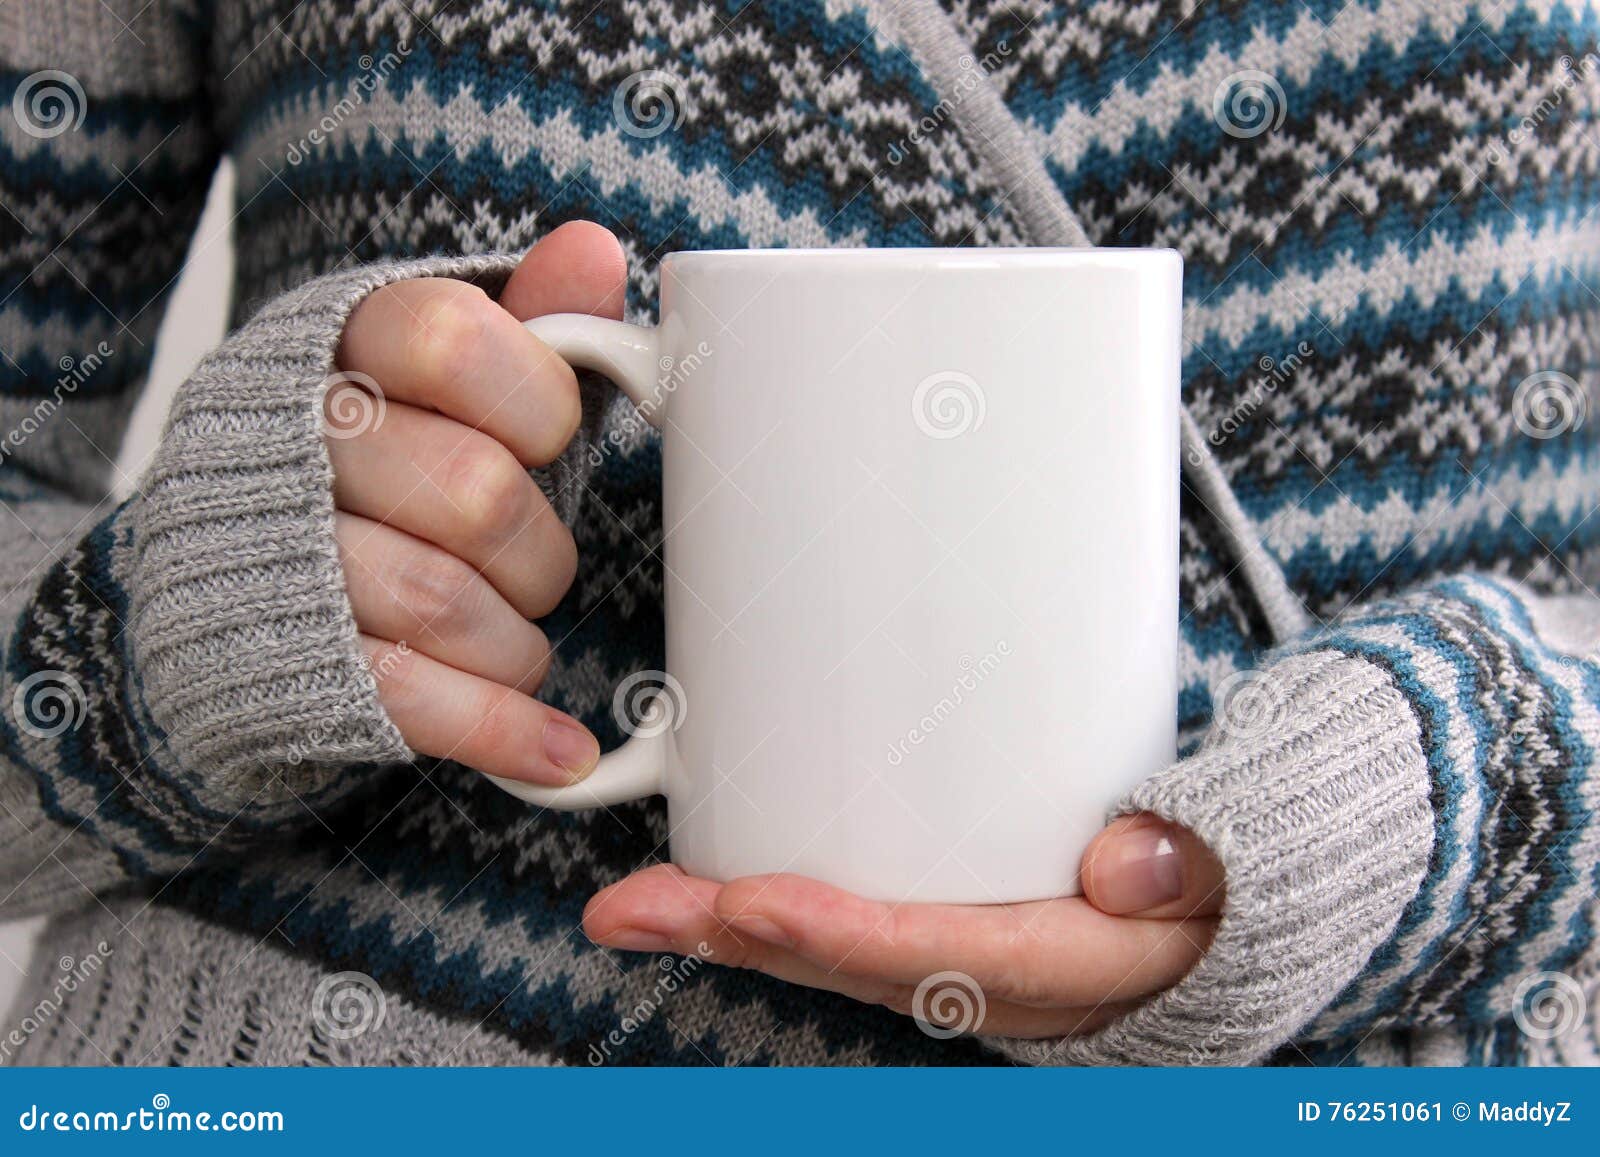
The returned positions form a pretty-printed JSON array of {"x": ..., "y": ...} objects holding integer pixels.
[
  {"x": 637, "y": 940},
  {"x": 570, "y": 748},
  {"x": 762, "y": 929},
  {"x": 1138, "y": 869}
]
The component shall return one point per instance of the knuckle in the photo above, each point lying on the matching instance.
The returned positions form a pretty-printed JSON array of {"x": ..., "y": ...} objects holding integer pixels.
[
  {"x": 447, "y": 330},
  {"x": 1027, "y": 979},
  {"x": 491, "y": 489},
  {"x": 436, "y": 591}
]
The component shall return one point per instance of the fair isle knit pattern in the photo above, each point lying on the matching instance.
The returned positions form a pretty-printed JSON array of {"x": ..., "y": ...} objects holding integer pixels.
[{"x": 1386, "y": 211}]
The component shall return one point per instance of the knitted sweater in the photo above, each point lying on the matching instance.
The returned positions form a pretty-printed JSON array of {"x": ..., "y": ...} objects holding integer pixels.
[{"x": 1389, "y": 686}]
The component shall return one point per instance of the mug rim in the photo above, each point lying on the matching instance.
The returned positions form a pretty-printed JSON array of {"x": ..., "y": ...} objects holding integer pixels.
[{"x": 971, "y": 257}]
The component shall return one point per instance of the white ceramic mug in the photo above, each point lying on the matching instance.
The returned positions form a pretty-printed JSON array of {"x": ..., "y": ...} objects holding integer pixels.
[{"x": 921, "y": 540}]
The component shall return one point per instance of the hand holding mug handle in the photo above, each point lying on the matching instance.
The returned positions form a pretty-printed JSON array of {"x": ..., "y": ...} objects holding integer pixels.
[{"x": 630, "y": 356}]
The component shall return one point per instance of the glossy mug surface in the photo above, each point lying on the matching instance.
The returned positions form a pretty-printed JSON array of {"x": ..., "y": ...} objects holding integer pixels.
[{"x": 921, "y": 537}]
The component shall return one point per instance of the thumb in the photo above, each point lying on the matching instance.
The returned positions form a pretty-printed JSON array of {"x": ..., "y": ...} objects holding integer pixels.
[
  {"x": 1143, "y": 866},
  {"x": 578, "y": 267}
]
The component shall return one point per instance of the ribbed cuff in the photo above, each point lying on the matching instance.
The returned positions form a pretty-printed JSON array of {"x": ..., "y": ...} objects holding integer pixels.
[
  {"x": 1313, "y": 791},
  {"x": 243, "y": 638}
]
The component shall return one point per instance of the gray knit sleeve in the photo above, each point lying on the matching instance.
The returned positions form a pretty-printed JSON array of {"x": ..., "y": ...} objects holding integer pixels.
[
  {"x": 188, "y": 676},
  {"x": 243, "y": 638},
  {"x": 1318, "y": 811},
  {"x": 1400, "y": 805}
]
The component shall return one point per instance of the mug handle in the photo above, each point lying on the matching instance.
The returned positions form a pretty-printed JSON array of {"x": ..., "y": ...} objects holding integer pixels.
[{"x": 630, "y": 356}]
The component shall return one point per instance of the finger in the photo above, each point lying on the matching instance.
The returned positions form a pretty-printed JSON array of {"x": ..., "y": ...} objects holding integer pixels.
[
  {"x": 444, "y": 345},
  {"x": 453, "y": 715},
  {"x": 578, "y": 267},
  {"x": 465, "y": 493},
  {"x": 403, "y": 589},
  {"x": 1054, "y": 952},
  {"x": 1143, "y": 866},
  {"x": 662, "y": 910}
]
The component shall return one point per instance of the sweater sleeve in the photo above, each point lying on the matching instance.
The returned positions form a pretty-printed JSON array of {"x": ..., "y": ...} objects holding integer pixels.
[
  {"x": 1405, "y": 808},
  {"x": 185, "y": 674},
  {"x": 181, "y": 672},
  {"x": 104, "y": 163}
]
